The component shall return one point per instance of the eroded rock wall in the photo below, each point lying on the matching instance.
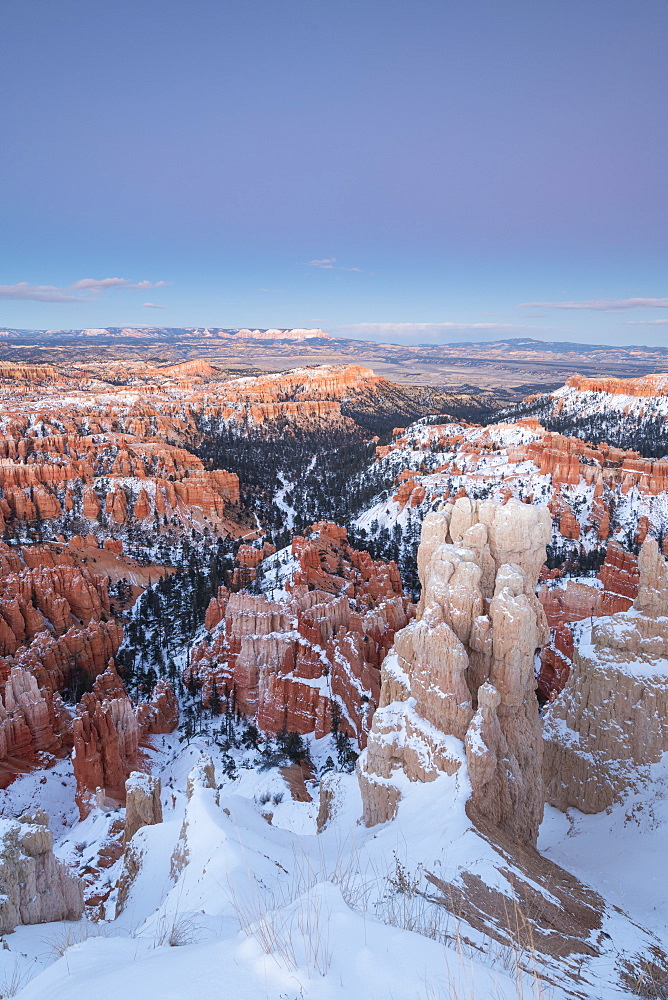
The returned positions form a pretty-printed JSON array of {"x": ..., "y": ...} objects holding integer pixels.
[
  {"x": 108, "y": 733},
  {"x": 612, "y": 715},
  {"x": 35, "y": 887}
]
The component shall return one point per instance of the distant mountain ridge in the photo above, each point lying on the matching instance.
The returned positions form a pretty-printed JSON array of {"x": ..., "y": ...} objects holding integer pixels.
[
  {"x": 529, "y": 344},
  {"x": 170, "y": 333},
  {"x": 514, "y": 366}
]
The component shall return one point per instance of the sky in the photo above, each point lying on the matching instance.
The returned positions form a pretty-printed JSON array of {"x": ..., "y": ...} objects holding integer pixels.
[{"x": 415, "y": 171}]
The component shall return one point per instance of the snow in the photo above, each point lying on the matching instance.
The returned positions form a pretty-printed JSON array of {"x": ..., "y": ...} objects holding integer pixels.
[
  {"x": 581, "y": 402},
  {"x": 271, "y": 909},
  {"x": 232, "y": 899},
  {"x": 277, "y": 570},
  {"x": 620, "y": 852},
  {"x": 266, "y": 907},
  {"x": 49, "y": 788},
  {"x": 279, "y": 500},
  {"x": 606, "y": 640}
]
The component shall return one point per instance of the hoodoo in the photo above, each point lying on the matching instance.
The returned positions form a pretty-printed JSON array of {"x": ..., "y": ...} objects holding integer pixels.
[{"x": 458, "y": 689}]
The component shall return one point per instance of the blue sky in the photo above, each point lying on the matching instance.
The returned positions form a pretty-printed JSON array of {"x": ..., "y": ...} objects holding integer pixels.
[{"x": 414, "y": 171}]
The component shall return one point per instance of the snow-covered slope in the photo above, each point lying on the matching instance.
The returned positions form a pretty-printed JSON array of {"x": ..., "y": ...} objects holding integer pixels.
[
  {"x": 596, "y": 495},
  {"x": 628, "y": 413},
  {"x": 275, "y": 910},
  {"x": 266, "y": 907}
]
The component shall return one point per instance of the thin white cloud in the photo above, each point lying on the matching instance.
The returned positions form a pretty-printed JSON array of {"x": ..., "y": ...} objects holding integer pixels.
[
  {"x": 91, "y": 287},
  {"x": 603, "y": 305},
  {"x": 329, "y": 264},
  {"x": 97, "y": 284},
  {"x": 100, "y": 284},
  {"x": 153, "y": 305},
  {"x": 646, "y": 322},
  {"x": 37, "y": 293}
]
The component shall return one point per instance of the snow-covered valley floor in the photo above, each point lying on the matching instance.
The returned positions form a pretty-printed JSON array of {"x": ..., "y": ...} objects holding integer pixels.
[{"x": 265, "y": 907}]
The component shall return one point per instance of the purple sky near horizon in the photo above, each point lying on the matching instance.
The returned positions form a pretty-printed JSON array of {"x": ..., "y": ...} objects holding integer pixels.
[{"x": 394, "y": 171}]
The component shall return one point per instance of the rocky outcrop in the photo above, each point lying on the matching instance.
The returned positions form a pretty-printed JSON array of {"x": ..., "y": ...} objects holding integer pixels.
[
  {"x": 160, "y": 714},
  {"x": 106, "y": 742},
  {"x": 248, "y": 558},
  {"x": 652, "y": 599},
  {"x": 33, "y": 718},
  {"x": 51, "y": 599},
  {"x": 35, "y": 374},
  {"x": 35, "y": 887},
  {"x": 566, "y": 601},
  {"x": 107, "y": 464},
  {"x": 458, "y": 689},
  {"x": 629, "y": 412},
  {"x": 108, "y": 732},
  {"x": 26, "y": 722},
  {"x": 94, "y": 478},
  {"x": 586, "y": 486},
  {"x": 143, "y": 806},
  {"x": 610, "y": 718},
  {"x": 648, "y": 385},
  {"x": 308, "y": 661},
  {"x": 56, "y": 634},
  {"x": 202, "y": 775}
]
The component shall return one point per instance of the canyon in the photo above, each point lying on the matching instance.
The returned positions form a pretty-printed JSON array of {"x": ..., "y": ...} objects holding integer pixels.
[
  {"x": 358, "y": 605},
  {"x": 307, "y": 657}
]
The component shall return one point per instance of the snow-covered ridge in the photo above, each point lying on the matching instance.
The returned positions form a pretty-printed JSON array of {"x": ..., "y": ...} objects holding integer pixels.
[{"x": 628, "y": 413}]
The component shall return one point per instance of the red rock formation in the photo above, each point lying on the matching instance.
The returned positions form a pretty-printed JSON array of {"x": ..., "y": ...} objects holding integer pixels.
[
  {"x": 648, "y": 385},
  {"x": 25, "y": 720},
  {"x": 619, "y": 576},
  {"x": 641, "y": 530},
  {"x": 488, "y": 456},
  {"x": 142, "y": 507},
  {"x": 286, "y": 663},
  {"x": 248, "y": 558},
  {"x": 91, "y": 504},
  {"x": 107, "y": 734},
  {"x": 95, "y": 470},
  {"x": 161, "y": 713},
  {"x": 600, "y": 515},
  {"x": 51, "y": 629},
  {"x": 576, "y": 601}
]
